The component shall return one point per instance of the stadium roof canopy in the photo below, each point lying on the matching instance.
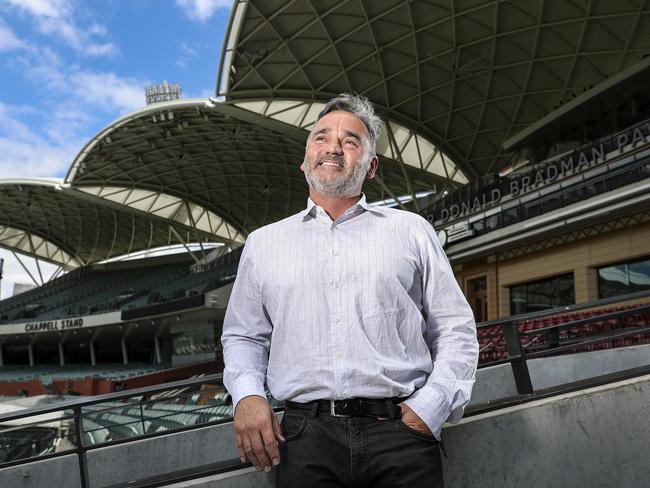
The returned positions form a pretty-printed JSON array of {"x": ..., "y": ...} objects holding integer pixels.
[
  {"x": 45, "y": 219},
  {"x": 210, "y": 165},
  {"x": 462, "y": 75}
]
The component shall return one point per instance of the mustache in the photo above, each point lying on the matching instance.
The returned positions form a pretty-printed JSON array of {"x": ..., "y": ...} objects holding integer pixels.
[{"x": 337, "y": 159}]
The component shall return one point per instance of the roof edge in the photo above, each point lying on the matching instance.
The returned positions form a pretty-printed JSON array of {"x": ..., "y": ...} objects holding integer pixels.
[
  {"x": 231, "y": 39},
  {"x": 149, "y": 109}
]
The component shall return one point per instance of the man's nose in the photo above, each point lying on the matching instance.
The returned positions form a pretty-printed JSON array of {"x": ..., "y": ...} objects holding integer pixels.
[{"x": 334, "y": 147}]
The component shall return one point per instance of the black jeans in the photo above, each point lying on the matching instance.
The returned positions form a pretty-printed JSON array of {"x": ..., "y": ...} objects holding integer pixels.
[{"x": 325, "y": 451}]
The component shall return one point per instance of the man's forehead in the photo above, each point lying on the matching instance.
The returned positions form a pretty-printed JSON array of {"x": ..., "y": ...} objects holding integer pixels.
[{"x": 352, "y": 123}]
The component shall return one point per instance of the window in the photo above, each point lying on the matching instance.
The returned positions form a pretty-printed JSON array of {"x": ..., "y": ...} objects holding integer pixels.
[
  {"x": 477, "y": 298},
  {"x": 623, "y": 278},
  {"x": 533, "y": 296}
]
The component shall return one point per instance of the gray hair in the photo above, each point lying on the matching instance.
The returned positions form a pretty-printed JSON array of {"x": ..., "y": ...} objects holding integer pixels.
[{"x": 360, "y": 106}]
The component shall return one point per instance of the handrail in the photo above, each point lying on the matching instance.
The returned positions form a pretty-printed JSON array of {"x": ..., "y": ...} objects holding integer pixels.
[
  {"x": 227, "y": 466},
  {"x": 588, "y": 340},
  {"x": 118, "y": 395},
  {"x": 78, "y": 448},
  {"x": 605, "y": 379},
  {"x": 517, "y": 356},
  {"x": 565, "y": 309},
  {"x": 588, "y": 320}
]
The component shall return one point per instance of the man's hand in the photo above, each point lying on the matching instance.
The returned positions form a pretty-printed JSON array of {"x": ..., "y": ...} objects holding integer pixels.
[
  {"x": 258, "y": 432},
  {"x": 411, "y": 420}
]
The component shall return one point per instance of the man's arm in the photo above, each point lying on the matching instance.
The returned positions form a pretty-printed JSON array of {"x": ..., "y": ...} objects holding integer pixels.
[
  {"x": 451, "y": 337},
  {"x": 246, "y": 339}
]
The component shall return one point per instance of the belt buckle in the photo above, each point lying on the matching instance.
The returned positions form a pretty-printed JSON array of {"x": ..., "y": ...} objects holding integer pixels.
[{"x": 333, "y": 410}]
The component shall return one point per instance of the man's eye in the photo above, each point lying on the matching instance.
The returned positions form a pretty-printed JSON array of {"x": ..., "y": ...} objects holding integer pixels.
[{"x": 351, "y": 143}]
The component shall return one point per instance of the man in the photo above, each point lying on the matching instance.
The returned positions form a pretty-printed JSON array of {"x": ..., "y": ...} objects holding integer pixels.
[{"x": 351, "y": 314}]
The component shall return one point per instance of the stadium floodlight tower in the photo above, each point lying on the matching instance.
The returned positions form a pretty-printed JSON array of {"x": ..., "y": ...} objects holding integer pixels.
[{"x": 162, "y": 93}]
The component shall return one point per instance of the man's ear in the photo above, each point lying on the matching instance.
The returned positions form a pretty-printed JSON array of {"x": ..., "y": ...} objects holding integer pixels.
[
  {"x": 374, "y": 163},
  {"x": 302, "y": 167}
]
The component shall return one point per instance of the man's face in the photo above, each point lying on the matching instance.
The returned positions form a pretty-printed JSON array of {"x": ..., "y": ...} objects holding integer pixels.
[{"x": 337, "y": 158}]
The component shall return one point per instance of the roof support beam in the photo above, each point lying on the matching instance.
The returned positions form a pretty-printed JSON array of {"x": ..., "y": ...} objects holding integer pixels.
[
  {"x": 32, "y": 250},
  {"x": 173, "y": 231},
  {"x": 193, "y": 223},
  {"x": 25, "y": 268},
  {"x": 385, "y": 187}
]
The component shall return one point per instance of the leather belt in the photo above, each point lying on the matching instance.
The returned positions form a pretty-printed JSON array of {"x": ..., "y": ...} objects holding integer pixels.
[{"x": 354, "y": 407}]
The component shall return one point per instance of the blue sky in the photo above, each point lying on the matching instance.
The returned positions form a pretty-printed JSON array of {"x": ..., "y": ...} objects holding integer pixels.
[{"x": 70, "y": 67}]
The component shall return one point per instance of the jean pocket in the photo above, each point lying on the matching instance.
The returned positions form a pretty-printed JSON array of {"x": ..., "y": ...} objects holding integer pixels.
[
  {"x": 293, "y": 424},
  {"x": 416, "y": 433}
]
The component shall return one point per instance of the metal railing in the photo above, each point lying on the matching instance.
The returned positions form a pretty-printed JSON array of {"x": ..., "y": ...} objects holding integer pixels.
[
  {"x": 518, "y": 352},
  {"x": 75, "y": 412}
]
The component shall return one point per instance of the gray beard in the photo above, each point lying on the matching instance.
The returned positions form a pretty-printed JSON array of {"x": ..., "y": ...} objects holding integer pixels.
[{"x": 343, "y": 186}]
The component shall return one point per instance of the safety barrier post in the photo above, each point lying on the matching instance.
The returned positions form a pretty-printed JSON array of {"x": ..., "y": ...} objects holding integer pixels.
[
  {"x": 81, "y": 451},
  {"x": 517, "y": 359}
]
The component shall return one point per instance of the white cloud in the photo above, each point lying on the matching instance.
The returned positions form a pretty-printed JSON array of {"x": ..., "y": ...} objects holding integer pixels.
[
  {"x": 84, "y": 89},
  {"x": 109, "y": 91},
  {"x": 44, "y": 67},
  {"x": 44, "y": 142},
  {"x": 57, "y": 18},
  {"x": 8, "y": 40},
  {"x": 202, "y": 10},
  {"x": 27, "y": 154},
  {"x": 188, "y": 49},
  {"x": 189, "y": 53},
  {"x": 47, "y": 8},
  {"x": 34, "y": 158}
]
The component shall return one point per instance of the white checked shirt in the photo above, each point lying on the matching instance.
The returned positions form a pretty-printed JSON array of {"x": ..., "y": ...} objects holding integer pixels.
[{"x": 363, "y": 306}]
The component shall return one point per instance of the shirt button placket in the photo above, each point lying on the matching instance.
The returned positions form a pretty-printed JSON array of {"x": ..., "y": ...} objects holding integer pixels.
[{"x": 336, "y": 287}]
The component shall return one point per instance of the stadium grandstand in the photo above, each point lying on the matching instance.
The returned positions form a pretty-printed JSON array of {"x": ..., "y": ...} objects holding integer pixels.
[{"x": 519, "y": 130}]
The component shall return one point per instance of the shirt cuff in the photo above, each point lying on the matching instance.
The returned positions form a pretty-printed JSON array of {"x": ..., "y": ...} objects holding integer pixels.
[
  {"x": 432, "y": 407},
  {"x": 245, "y": 387}
]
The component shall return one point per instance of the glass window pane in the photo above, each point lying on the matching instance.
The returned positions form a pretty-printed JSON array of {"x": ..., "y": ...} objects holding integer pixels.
[
  {"x": 538, "y": 295},
  {"x": 639, "y": 275},
  {"x": 613, "y": 280},
  {"x": 623, "y": 278}
]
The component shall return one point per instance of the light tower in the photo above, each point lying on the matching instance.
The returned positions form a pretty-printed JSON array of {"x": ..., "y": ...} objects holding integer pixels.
[{"x": 162, "y": 93}]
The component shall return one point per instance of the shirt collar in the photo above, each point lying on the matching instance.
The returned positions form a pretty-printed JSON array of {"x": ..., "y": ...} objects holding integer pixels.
[
  {"x": 363, "y": 203},
  {"x": 311, "y": 209}
]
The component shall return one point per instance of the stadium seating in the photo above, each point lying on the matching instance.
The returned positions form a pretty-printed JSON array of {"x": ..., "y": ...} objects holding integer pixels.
[
  {"x": 120, "y": 420},
  {"x": 492, "y": 343},
  {"x": 118, "y": 286},
  {"x": 49, "y": 373}
]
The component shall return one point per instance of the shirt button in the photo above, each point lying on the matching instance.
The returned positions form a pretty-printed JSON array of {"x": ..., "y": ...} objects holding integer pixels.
[
  {"x": 337, "y": 284},
  {"x": 338, "y": 321},
  {"x": 335, "y": 252},
  {"x": 345, "y": 392},
  {"x": 339, "y": 355}
]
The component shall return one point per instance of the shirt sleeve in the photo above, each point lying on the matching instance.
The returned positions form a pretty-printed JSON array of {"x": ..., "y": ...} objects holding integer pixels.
[
  {"x": 247, "y": 331},
  {"x": 450, "y": 334}
]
